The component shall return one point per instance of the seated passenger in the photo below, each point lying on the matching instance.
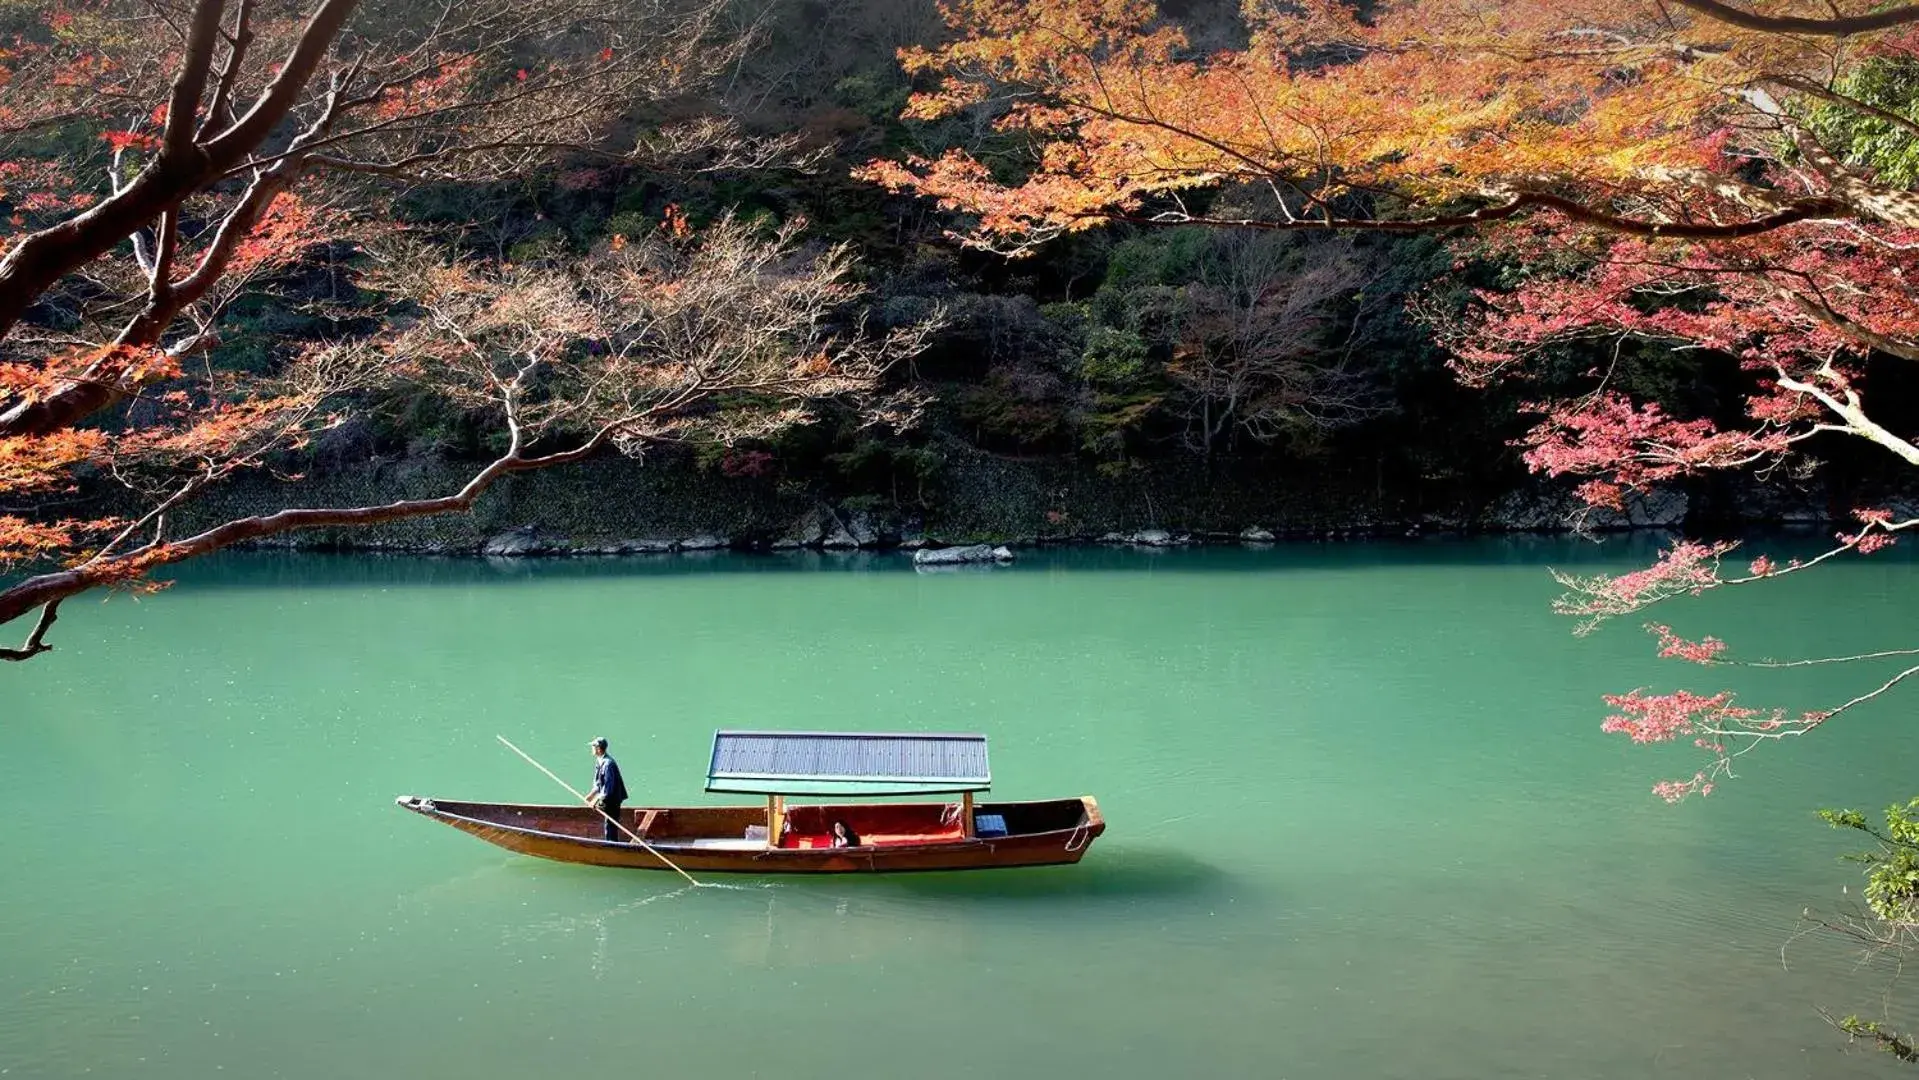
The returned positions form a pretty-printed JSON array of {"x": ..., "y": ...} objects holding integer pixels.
[{"x": 844, "y": 836}]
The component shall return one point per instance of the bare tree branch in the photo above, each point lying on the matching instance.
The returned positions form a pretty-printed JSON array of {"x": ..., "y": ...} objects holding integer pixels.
[{"x": 36, "y": 641}]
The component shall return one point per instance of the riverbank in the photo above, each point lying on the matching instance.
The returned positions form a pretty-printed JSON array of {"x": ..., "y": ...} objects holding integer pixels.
[{"x": 618, "y": 506}]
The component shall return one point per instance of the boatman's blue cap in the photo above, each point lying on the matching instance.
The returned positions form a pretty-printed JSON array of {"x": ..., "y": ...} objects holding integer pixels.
[{"x": 599, "y": 742}]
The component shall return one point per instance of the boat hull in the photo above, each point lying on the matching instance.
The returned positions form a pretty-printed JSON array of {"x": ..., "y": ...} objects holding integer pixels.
[{"x": 702, "y": 839}]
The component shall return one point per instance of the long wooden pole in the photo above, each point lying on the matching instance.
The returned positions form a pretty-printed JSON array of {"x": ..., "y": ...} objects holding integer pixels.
[{"x": 617, "y": 823}]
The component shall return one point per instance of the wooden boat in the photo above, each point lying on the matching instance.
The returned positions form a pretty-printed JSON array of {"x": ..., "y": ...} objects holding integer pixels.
[{"x": 894, "y": 836}]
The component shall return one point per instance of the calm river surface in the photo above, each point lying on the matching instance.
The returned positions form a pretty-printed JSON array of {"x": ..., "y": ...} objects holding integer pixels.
[{"x": 1362, "y": 823}]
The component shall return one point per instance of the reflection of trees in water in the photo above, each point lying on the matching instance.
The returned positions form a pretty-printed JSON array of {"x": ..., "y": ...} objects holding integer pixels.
[{"x": 1883, "y": 931}]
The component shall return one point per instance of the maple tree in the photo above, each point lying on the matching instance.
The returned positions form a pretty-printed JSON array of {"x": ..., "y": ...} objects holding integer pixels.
[
  {"x": 1732, "y": 179},
  {"x": 1263, "y": 350},
  {"x": 160, "y": 161},
  {"x": 721, "y": 334},
  {"x": 641, "y": 340}
]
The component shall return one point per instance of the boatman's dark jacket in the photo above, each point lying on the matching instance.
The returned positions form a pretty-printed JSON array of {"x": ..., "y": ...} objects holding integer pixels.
[{"x": 606, "y": 780}]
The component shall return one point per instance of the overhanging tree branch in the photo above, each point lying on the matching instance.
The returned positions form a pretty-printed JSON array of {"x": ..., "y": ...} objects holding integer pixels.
[
  {"x": 32, "y": 265},
  {"x": 36, "y": 641},
  {"x": 51, "y": 588},
  {"x": 1809, "y": 209},
  {"x": 1800, "y": 84},
  {"x": 1835, "y": 26}
]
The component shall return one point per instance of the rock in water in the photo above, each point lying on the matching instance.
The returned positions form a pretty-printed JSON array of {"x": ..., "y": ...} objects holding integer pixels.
[
  {"x": 808, "y": 531},
  {"x": 1658, "y": 509},
  {"x": 860, "y": 527},
  {"x": 521, "y": 541},
  {"x": 971, "y": 553}
]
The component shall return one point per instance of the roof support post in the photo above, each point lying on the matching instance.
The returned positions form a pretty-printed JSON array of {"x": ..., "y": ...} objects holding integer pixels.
[
  {"x": 966, "y": 813},
  {"x": 775, "y": 816}
]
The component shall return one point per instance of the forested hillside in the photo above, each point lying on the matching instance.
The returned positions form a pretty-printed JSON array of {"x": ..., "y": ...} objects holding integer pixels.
[{"x": 1137, "y": 376}]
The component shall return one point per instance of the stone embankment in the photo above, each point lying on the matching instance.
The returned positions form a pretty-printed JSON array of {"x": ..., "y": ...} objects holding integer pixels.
[{"x": 622, "y": 508}]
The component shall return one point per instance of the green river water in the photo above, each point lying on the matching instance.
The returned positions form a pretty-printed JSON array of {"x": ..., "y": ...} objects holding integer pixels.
[{"x": 1362, "y": 823}]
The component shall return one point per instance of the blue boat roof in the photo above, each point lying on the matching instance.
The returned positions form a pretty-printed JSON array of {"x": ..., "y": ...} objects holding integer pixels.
[{"x": 847, "y": 763}]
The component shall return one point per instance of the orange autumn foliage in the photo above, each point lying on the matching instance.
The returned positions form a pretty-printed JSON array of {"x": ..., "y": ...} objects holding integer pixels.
[{"x": 1613, "y": 111}]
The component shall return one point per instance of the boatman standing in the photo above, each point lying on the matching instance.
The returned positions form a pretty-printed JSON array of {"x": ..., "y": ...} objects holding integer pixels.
[{"x": 609, "y": 790}]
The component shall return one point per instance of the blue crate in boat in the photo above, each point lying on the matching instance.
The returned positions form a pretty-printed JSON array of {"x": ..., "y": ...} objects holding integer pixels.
[{"x": 989, "y": 825}]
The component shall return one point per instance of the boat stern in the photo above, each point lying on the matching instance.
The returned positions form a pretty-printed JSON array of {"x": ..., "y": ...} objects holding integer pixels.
[{"x": 1094, "y": 819}]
